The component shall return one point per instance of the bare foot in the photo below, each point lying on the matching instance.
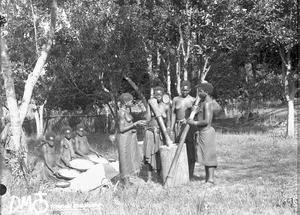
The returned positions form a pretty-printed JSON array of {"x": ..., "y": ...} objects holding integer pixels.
[
  {"x": 203, "y": 181},
  {"x": 209, "y": 184}
]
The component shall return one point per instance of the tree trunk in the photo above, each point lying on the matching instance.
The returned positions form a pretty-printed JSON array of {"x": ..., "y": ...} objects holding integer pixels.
[
  {"x": 204, "y": 70},
  {"x": 39, "y": 66},
  {"x": 290, "y": 95},
  {"x": 35, "y": 29},
  {"x": 291, "y": 119},
  {"x": 18, "y": 114},
  {"x": 18, "y": 145},
  {"x": 199, "y": 55},
  {"x": 39, "y": 120},
  {"x": 41, "y": 113},
  {"x": 47, "y": 121},
  {"x": 150, "y": 72},
  {"x": 150, "y": 68},
  {"x": 169, "y": 77},
  {"x": 249, "y": 108},
  {"x": 114, "y": 99},
  {"x": 168, "y": 65},
  {"x": 114, "y": 114},
  {"x": 158, "y": 61},
  {"x": 178, "y": 72},
  {"x": 37, "y": 123},
  {"x": 289, "y": 90},
  {"x": 178, "y": 79},
  {"x": 9, "y": 86},
  {"x": 186, "y": 53},
  {"x": 225, "y": 111}
]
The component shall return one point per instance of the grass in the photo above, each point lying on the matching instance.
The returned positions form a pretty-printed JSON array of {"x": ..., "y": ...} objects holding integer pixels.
[{"x": 257, "y": 174}]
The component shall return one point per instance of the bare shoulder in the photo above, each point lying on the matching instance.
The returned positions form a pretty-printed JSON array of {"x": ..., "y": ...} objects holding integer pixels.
[
  {"x": 192, "y": 98},
  {"x": 121, "y": 114},
  {"x": 208, "y": 105},
  {"x": 176, "y": 98}
]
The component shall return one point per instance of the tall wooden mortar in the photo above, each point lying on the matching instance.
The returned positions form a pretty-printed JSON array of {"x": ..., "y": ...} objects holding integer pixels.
[
  {"x": 181, "y": 170},
  {"x": 171, "y": 180}
]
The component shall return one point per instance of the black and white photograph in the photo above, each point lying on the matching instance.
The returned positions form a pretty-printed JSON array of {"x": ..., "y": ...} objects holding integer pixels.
[{"x": 149, "y": 107}]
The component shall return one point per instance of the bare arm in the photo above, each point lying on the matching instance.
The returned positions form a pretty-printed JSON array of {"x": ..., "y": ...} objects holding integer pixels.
[
  {"x": 168, "y": 112},
  {"x": 71, "y": 143},
  {"x": 65, "y": 161},
  {"x": 173, "y": 115},
  {"x": 89, "y": 146},
  {"x": 208, "y": 114},
  {"x": 148, "y": 114}
]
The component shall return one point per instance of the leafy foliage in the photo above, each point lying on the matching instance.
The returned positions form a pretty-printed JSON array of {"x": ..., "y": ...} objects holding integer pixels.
[{"x": 97, "y": 43}]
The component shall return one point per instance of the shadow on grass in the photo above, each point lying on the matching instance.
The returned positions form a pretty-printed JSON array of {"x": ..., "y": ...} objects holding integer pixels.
[
  {"x": 197, "y": 178},
  {"x": 249, "y": 172},
  {"x": 229, "y": 125}
]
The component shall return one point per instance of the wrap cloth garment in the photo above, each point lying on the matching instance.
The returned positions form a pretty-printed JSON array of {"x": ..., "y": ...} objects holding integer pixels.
[
  {"x": 189, "y": 141},
  {"x": 205, "y": 143},
  {"x": 152, "y": 141},
  {"x": 53, "y": 159},
  {"x": 129, "y": 157}
]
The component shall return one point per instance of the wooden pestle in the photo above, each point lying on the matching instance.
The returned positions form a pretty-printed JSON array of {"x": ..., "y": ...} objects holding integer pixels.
[{"x": 153, "y": 104}]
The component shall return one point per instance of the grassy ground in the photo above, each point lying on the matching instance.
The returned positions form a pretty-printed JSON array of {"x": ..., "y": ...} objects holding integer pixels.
[{"x": 257, "y": 174}]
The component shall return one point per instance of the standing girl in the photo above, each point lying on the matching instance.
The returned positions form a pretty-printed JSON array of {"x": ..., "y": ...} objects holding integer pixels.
[
  {"x": 205, "y": 137},
  {"x": 129, "y": 158}
]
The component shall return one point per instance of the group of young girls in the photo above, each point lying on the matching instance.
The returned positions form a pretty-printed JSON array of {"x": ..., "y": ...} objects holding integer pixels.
[{"x": 200, "y": 141}]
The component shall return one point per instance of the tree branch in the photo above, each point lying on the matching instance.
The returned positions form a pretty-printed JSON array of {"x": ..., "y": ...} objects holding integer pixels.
[
  {"x": 281, "y": 53},
  {"x": 206, "y": 69},
  {"x": 181, "y": 41},
  {"x": 37, "y": 71},
  {"x": 35, "y": 30},
  {"x": 144, "y": 100}
]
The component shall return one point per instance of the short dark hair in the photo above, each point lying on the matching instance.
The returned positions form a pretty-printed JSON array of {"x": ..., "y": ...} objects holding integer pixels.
[
  {"x": 186, "y": 83},
  {"x": 79, "y": 126},
  {"x": 67, "y": 128},
  {"x": 125, "y": 97},
  {"x": 159, "y": 88},
  {"x": 50, "y": 134},
  {"x": 207, "y": 87}
]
